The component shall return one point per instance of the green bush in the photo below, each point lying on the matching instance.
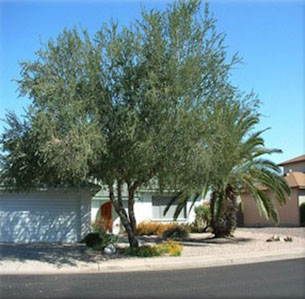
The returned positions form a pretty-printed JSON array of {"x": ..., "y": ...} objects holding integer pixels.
[
  {"x": 193, "y": 228},
  {"x": 143, "y": 251},
  {"x": 170, "y": 247},
  {"x": 98, "y": 241},
  {"x": 202, "y": 217},
  {"x": 177, "y": 232},
  {"x": 302, "y": 214},
  {"x": 92, "y": 239}
]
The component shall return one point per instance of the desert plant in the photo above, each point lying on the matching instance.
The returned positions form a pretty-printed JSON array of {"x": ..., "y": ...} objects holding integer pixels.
[
  {"x": 92, "y": 239},
  {"x": 99, "y": 226},
  {"x": 202, "y": 217},
  {"x": 177, "y": 232},
  {"x": 302, "y": 214},
  {"x": 191, "y": 228},
  {"x": 106, "y": 239},
  {"x": 170, "y": 247},
  {"x": 99, "y": 238},
  {"x": 153, "y": 228},
  {"x": 143, "y": 251}
]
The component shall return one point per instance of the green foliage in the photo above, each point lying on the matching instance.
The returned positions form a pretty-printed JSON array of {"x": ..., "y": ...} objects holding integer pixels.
[
  {"x": 169, "y": 248},
  {"x": 202, "y": 217},
  {"x": 302, "y": 214},
  {"x": 126, "y": 106},
  {"x": 92, "y": 239},
  {"x": 191, "y": 228},
  {"x": 178, "y": 232},
  {"x": 107, "y": 239},
  {"x": 143, "y": 251},
  {"x": 100, "y": 240},
  {"x": 237, "y": 165}
]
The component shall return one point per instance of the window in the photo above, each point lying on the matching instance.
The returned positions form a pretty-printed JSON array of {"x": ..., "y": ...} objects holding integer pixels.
[{"x": 159, "y": 204}]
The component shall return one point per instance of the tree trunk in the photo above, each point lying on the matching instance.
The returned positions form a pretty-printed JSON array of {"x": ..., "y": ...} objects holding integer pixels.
[
  {"x": 131, "y": 214},
  {"x": 119, "y": 208},
  {"x": 224, "y": 225}
]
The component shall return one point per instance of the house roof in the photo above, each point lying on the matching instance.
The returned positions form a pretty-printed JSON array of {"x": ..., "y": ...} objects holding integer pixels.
[
  {"x": 296, "y": 179},
  {"x": 294, "y": 160}
]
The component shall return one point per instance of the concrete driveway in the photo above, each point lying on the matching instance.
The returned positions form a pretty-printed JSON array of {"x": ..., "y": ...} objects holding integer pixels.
[{"x": 51, "y": 253}]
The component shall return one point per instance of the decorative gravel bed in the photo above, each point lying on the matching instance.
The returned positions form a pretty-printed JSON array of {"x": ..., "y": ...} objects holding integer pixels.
[{"x": 244, "y": 240}]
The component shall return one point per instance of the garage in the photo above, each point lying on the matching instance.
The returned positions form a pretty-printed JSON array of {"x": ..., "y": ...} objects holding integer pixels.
[{"x": 44, "y": 216}]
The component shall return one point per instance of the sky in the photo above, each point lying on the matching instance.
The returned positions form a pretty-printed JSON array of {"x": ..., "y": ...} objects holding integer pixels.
[{"x": 268, "y": 35}]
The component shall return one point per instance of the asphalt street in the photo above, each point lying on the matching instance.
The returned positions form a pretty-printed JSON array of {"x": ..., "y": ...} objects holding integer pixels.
[{"x": 280, "y": 279}]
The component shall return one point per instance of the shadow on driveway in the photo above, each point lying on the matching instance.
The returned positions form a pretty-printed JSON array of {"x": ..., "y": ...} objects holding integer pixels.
[{"x": 52, "y": 253}]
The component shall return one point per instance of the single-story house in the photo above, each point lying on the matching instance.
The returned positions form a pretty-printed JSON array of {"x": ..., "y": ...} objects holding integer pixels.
[
  {"x": 289, "y": 214},
  {"x": 54, "y": 215},
  {"x": 45, "y": 215},
  {"x": 149, "y": 206}
]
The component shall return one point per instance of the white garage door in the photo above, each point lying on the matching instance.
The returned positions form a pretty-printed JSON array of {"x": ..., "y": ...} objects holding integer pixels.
[{"x": 39, "y": 217}]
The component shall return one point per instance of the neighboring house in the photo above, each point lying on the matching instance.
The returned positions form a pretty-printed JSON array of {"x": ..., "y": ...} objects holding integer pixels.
[
  {"x": 289, "y": 214},
  {"x": 45, "y": 216},
  {"x": 149, "y": 206}
]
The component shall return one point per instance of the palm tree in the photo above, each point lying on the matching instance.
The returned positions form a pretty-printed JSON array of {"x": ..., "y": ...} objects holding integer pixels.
[{"x": 238, "y": 165}]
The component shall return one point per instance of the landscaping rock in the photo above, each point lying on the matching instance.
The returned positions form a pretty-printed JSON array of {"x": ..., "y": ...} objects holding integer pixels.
[
  {"x": 274, "y": 238},
  {"x": 288, "y": 239},
  {"x": 110, "y": 249}
]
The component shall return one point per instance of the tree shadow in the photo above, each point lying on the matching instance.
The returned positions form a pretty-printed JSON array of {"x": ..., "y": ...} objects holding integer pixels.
[
  {"x": 204, "y": 239},
  {"x": 52, "y": 253}
]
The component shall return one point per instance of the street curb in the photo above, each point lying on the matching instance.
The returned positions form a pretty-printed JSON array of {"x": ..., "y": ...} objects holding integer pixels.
[
  {"x": 199, "y": 263},
  {"x": 150, "y": 264}
]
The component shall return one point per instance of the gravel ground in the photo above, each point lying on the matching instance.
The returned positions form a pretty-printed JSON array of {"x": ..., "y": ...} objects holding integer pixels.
[
  {"x": 244, "y": 240},
  {"x": 286, "y": 231}
]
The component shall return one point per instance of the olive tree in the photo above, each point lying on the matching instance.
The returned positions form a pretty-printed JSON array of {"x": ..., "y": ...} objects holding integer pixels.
[{"x": 122, "y": 108}]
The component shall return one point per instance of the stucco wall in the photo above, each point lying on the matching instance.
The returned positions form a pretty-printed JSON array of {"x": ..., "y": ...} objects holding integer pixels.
[
  {"x": 143, "y": 209},
  {"x": 288, "y": 214},
  {"x": 301, "y": 194}
]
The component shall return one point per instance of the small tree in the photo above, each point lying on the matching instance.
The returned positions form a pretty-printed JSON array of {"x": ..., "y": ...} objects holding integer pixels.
[{"x": 121, "y": 109}]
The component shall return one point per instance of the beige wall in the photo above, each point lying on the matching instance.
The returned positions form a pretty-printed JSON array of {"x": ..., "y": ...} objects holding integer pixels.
[{"x": 288, "y": 215}]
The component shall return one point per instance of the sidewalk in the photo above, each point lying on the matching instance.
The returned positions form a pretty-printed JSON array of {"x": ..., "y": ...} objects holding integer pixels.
[{"x": 148, "y": 264}]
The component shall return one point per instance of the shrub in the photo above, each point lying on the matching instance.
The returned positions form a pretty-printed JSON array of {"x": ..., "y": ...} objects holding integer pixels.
[
  {"x": 177, "y": 232},
  {"x": 192, "y": 228},
  {"x": 153, "y": 228},
  {"x": 171, "y": 248},
  {"x": 302, "y": 214},
  {"x": 106, "y": 239},
  {"x": 99, "y": 226},
  {"x": 147, "y": 228},
  {"x": 99, "y": 239},
  {"x": 92, "y": 239},
  {"x": 143, "y": 251},
  {"x": 202, "y": 217}
]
